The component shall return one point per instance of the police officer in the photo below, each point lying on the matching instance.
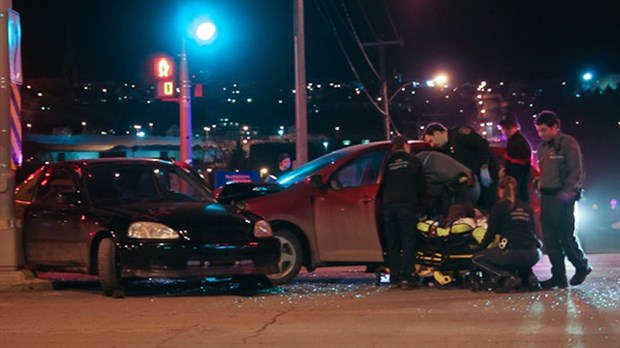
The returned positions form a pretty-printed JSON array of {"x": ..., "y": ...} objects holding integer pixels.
[
  {"x": 519, "y": 248},
  {"x": 516, "y": 161},
  {"x": 468, "y": 147},
  {"x": 401, "y": 188},
  {"x": 561, "y": 176}
]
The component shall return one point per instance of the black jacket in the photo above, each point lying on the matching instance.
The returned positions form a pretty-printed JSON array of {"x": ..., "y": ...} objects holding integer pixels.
[
  {"x": 403, "y": 180},
  {"x": 516, "y": 225}
]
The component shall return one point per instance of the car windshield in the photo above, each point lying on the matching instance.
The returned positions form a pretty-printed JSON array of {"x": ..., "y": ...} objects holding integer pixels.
[
  {"x": 311, "y": 168},
  {"x": 111, "y": 184}
]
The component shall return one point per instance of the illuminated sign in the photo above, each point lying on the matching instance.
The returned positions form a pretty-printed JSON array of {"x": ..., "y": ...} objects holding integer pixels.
[
  {"x": 163, "y": 68},
  {"x": 163, "y": 71}
]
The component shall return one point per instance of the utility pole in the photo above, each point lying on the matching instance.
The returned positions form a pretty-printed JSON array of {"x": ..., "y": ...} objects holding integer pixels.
[
  {"x": 301, "y": 100},
  {"x": 185, "y": 109},
  {"x": 384, "y": 88},
  {"x": 11, "y": 257}
]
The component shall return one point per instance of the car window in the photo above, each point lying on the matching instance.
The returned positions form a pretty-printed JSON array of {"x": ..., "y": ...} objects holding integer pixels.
[
  {"x": 25, "y": 191},
  {"x": 139, "y": 182},
  {"x": 360, "y": 172},
  {"x": 56, "y": 181}
]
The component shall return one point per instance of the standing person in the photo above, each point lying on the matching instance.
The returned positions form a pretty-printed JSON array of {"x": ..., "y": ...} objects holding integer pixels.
[
  {"x": 284, "y": 164},
  {"x": 401, "y": 188},
  {"x": 561, "y": 176},
  {"x": 517, "y": 156},
  {"x": 468, "y": 147},
  {"x": 519, "y": 248}
]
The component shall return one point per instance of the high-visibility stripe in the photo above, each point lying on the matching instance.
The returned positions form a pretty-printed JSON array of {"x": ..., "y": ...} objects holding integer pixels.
[
  {"x": 16, "y": 127},
  {"x": 515, "y": 160}
]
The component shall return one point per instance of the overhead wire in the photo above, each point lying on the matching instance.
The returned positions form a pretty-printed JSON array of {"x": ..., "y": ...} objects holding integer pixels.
[
  {"x": 358, "y": 41},
  {"x": 330, "y": 23},
  {"x": 387, "y": 12},
  {"x": 372, "y": 30}
]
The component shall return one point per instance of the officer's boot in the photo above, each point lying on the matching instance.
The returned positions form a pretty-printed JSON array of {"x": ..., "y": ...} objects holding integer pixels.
[
  {"x": 558, "y": 270},
  {"x": 507, "y": 282}
]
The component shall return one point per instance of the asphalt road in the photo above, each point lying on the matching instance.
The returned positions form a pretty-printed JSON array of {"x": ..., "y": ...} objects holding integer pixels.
[{"x": 333, "y": 307}]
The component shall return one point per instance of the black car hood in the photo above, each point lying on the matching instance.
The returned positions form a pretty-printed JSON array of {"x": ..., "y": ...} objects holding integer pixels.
[
  {"x": 236, "y": 192},
  {"x": 202, "y": 221}
]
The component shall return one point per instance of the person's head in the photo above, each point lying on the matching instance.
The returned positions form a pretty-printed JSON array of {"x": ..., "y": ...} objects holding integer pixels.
[
  {"x": 284, "y": 161},
  {"x": 435, "y": 134},
  {"x": 507, "y": 189},
  {"x": 508, "y": 124},
  {"x": 547, "y": 125},
  {"x": 399, "y": 142}
]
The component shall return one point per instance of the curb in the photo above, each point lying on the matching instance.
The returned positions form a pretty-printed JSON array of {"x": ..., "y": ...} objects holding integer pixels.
[{"x": 22, "y": 281}]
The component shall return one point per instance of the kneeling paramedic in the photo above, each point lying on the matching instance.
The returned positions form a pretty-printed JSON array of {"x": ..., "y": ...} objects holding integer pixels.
[{"x": 518, "y": 249}]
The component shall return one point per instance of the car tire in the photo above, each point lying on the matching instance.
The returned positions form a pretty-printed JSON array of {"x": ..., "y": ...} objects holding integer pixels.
[
  {"x": 290, "y": 257},
  {"x": 107, "y": 266}
]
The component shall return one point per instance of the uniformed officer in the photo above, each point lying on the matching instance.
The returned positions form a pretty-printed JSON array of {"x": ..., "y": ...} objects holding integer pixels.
[
  {"x": 519, "y": 248},
  {"x": 561, "y": 176},
  {"x": 516, "y": 161},
  {"x": 401, "y": 189},
  {"x": 468, "y": 147}
]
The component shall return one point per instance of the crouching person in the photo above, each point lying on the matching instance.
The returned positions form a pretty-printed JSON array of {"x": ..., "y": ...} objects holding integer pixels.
[{"x": 511, "y": 261}]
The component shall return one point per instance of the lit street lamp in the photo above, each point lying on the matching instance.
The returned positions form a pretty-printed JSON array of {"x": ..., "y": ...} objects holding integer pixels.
[{"x": 204, "y": 32}]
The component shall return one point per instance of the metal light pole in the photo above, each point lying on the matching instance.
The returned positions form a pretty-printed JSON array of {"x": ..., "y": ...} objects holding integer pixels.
[
  {"x": 185, "y": 110},
  {"x": 11, "y": 257},
  {"x": 301, "y": 100}
]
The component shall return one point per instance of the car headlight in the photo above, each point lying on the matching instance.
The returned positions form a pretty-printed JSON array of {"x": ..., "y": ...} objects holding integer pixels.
[
  {"x": 151, "y": 230},
  {"x": 262, "y": 229}
]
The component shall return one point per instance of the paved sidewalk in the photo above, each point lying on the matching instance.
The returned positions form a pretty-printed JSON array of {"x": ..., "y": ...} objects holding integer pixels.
[{"x": 23, "y": 280}]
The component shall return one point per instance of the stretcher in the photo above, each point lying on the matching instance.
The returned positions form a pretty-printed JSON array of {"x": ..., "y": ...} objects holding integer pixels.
[{"x": 445, "y": 250}]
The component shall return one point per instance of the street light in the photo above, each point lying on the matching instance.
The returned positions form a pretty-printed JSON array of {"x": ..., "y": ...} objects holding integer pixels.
[{"x": 204, "y": 32}]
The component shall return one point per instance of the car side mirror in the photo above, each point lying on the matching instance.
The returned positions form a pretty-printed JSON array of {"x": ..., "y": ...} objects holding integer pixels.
[{"x": 316, "y": 181}]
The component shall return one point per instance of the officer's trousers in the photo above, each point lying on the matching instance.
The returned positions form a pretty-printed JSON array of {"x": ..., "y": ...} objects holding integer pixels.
[
  {"x": 558, "y": 224},
  {"x": 400, "y": 233},
  {"x": 504, "y": 262}
]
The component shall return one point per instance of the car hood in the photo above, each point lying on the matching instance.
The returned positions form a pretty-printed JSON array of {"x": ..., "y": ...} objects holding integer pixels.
[
  {"x": 237, "y": 192},
  {"x": 202, "y": 222}
]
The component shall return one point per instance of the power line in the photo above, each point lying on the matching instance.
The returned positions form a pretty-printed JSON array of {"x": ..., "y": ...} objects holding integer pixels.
[{"x": 330, "y": 23}]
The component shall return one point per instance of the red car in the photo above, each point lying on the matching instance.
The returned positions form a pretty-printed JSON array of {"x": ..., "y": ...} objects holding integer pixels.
[{"x": 324, "y": 212}]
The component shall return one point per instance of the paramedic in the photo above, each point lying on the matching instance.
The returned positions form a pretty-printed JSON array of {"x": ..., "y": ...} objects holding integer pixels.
[
  {"x": 518, "y": 249},
  {"x": 401, "y": 188}
]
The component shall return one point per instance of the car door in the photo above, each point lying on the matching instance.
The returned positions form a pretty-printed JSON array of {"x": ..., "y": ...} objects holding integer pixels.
[
  {"x": 52, "y": 232},
  {"x": 345, "y": 212}
]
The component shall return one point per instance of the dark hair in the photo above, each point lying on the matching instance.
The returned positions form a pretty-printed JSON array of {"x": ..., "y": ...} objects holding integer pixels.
[
  {"x": 508, "y": 120},
  {"x": 547, "y": 118},
  {"x": 398, "y": 142},
  {"x": 509, "y": 184},
  {"x": 283, "y": 156},
  {"x": 432, "y": 128}
]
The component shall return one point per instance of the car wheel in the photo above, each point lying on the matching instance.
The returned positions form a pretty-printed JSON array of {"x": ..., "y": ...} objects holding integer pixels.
[
  {"x": 107, "y": 265},
  {"x": 290, "y": 257}
]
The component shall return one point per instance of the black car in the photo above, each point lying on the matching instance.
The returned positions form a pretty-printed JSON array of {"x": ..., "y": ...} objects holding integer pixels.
[{"x": 138, "y": 218}]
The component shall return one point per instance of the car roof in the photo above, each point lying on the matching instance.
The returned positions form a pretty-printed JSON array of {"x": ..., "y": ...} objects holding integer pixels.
[
  {"x": 112, "y": 160},
  {"x": 416, "y": 145}
]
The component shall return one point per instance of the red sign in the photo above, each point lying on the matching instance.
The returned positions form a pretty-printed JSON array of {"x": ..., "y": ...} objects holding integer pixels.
[{"x": 163, "y": 68}]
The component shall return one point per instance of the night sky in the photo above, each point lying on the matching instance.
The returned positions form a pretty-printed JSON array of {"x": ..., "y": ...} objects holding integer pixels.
[{"x": 469, "y": 39}]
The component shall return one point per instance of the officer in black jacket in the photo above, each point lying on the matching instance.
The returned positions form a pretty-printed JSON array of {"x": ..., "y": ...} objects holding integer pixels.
[
  {"x": 519, "y": 248},
  {"x": 517, "y": 158},
  {"x": 468, "y": 147},
  {"x": 401, "y": 188}
]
